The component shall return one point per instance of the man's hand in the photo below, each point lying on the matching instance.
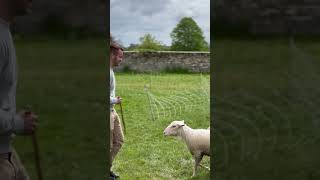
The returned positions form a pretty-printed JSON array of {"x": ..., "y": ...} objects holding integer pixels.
[
  {"x": 119, "y": 100},
  {"x": 30, "y": 124}
]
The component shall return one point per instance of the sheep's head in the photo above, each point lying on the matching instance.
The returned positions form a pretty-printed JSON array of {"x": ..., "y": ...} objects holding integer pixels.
[{"x": 174, "y": 128}]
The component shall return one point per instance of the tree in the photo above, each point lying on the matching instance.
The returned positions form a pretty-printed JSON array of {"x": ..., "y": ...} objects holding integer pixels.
[
  {"x": 149, "y": 42},
  {"x": 188, "y": 36},
  {"x": 132, "y": 47}
]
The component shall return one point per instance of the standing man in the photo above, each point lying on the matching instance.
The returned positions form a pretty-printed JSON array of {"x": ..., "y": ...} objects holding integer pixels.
[
  {"x": 116, "y": 133},
  {"x": 11, "y": 122}
]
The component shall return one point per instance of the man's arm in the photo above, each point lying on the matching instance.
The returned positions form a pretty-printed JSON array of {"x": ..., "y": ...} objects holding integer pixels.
[
  {"x": 113, "y": 100},
  {"x": 10, "y": 123}
]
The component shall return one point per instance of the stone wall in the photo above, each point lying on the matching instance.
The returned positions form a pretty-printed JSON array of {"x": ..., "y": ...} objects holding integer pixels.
[
  {"x": 161, "y": 60},
  {"x": 90, "y": 15},
  {"x": 270, "y": 16}
]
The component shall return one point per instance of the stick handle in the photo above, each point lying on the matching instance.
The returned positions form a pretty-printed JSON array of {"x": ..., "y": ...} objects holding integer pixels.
[
  {"x": 124, "y": 124},
  {"x": 35, "y": 148},
  {"x": 37, "y": 155}
]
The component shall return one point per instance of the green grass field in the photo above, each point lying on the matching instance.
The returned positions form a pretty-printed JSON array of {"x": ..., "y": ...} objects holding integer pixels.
[
  {"x": 266, "y": 109},
  {"x": 65, "y": 82},
  {"x": 147, "y": 154}
]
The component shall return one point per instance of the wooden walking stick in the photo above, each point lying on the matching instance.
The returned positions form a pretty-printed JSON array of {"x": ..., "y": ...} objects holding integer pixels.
[
  {"x": 36, "y": 149},
  {"x": 37, "y": 155},
  {"x": 124, "y": 124}
]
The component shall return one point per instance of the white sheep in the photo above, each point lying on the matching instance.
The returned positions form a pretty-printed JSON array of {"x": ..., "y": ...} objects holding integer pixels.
[{"x": 197, "y": 140}]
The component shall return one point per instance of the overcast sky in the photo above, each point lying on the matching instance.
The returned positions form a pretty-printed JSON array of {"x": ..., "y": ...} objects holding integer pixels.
[{"x": 131, "y": 19}]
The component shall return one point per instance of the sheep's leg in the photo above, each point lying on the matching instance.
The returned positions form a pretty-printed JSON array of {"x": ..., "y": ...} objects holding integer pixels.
[
  {"x": 197, "y": 160},
  {"x": 204, "y": 167}
]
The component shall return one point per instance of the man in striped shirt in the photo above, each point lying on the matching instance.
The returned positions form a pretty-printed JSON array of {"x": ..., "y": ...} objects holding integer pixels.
[
  {"x": 11, "y": 123},
  {"x": 116, "y": 132}
]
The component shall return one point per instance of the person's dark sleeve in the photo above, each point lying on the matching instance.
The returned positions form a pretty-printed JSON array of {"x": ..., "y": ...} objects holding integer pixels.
[{"x": 9, "y": 122}]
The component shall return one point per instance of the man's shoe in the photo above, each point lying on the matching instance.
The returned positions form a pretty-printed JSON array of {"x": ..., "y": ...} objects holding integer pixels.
[{"x": 112, "y": 174}]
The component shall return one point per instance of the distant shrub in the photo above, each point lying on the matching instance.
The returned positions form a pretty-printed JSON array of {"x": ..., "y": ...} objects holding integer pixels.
[{"x": 149, "y": 42}]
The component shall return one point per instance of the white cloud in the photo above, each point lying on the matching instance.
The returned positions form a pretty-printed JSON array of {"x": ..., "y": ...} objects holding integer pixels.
[{"x": 130, "y": 19}]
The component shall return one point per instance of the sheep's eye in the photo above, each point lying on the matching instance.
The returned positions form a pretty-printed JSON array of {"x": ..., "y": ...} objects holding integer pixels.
[{"x": 173, "y": 126}]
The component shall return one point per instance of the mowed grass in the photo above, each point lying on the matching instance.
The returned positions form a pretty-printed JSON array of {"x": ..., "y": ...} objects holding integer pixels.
[
  {"x": 65, "y": 83},
  {"x": 266, "y": 109},
  {"x": 146, "y": 153}
]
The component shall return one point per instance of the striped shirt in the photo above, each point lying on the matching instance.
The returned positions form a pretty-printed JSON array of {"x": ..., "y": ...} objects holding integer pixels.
[
  {"x": 10, "y": 122},
  {"x": 113, "y": 99}
]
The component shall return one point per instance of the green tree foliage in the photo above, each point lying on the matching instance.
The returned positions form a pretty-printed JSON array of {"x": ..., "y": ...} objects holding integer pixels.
[
  {"x": 188, "y": 36},
  {"x": 149, "y": 43},
  {"x": 132, "y": 47}
]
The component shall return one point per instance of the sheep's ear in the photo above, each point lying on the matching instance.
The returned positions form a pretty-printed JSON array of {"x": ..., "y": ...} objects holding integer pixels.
[{"x": 182, "y": 123}]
